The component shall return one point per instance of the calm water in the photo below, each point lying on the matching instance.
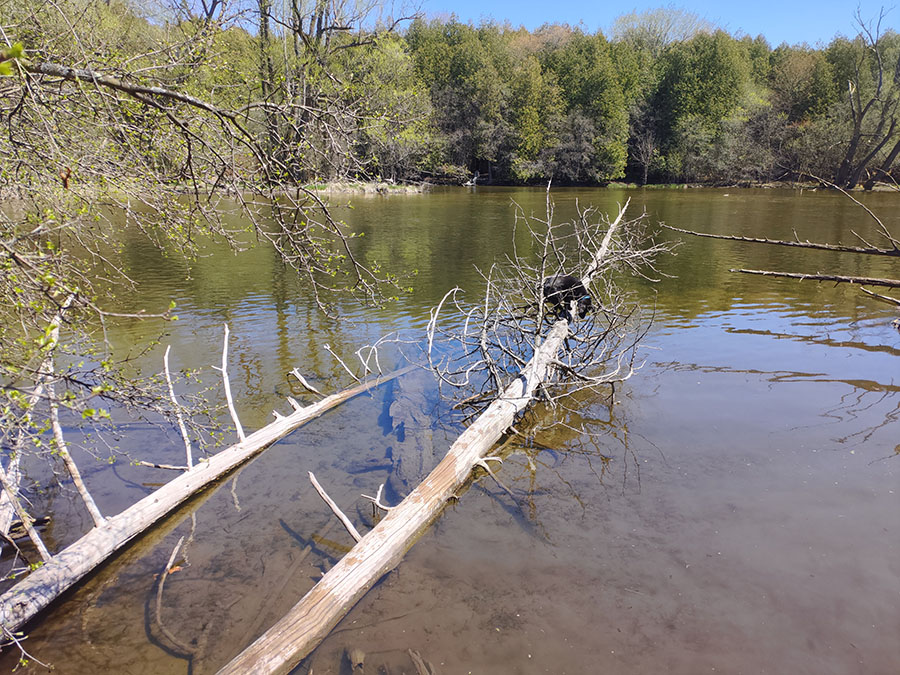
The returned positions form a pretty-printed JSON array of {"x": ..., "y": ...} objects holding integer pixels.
[{"x": 733, "y": 510}]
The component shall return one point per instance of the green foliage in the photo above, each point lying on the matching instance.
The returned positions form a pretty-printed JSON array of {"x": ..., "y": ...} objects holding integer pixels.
[
  {"x": 462, "y": 68},
  {"x": 802, "y": 83},
  {"x": 706, "y": 78},
  {"x": 704, "y": 83},
  {"x": 669, "y": 97},
  {"x": 591, "y": 88},
  {"x": 536, "y": 108},
  {"x": 8, "y": 55}
]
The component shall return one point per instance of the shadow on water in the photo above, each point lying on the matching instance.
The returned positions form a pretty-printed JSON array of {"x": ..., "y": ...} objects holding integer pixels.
[{"x": 732, "y": 507}]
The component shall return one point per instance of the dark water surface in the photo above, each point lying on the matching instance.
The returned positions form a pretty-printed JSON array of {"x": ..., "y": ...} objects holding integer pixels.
[{"x": 734, "y": 510}]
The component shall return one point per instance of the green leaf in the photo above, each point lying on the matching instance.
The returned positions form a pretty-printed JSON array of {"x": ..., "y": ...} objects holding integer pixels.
[{"x": 17, "y": 51}]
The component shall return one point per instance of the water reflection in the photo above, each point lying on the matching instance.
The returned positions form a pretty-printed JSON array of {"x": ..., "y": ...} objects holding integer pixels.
[{"x": 726, "y": 508}]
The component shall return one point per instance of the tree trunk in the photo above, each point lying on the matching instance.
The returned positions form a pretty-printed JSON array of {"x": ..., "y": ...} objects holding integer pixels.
[
  {"x": 884, "y": 170},
  {"x": 846, "y": 165},
  {"x": 267, "y": 73},
  {"x": 857, "y": 171}
]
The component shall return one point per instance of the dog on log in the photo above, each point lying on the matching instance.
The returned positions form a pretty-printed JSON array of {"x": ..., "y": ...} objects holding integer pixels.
[{"x": 561, "y": 290}]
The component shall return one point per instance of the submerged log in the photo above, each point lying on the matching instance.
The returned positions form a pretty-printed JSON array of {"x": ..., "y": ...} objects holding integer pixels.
[
  {"x": 292, "y": 638},
  {"x": 31, "y": 595}
]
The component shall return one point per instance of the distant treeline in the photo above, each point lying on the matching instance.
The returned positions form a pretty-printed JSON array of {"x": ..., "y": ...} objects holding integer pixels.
[
  {"x": 665, "y": 98},
  {"x": 647, "y": 107}
]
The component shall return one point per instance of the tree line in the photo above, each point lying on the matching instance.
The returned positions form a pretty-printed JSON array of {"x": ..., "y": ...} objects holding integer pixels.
[
  {"x": 335, "y": 92},
  {"x": 665, "y": 98}
]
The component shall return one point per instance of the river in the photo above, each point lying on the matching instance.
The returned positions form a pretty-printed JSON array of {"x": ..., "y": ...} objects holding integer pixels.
[{"x": 733, "y": 508}]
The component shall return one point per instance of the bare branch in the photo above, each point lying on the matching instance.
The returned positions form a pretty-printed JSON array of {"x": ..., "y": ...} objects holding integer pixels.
[
  {"x": 181, "y": 427},
  {"x": 867, "y": 281},
  {"x": 484, "y": 345},
  {"x": 227, "y": 385},
  {"x": 304, "y": 383},
  {"x": 335, "y": 508},
  {"x": 872, "y": 250}
]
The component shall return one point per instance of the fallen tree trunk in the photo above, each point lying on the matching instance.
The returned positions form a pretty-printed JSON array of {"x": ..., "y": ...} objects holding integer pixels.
[
  {"x": 31, "y": 595},
  {"x": 292, "y": 638},
  {"x": 282, "y": 647},
  {"x": 839, "y": 278}
]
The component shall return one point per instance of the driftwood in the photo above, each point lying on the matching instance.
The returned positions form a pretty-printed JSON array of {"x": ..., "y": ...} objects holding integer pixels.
[
  {"x": 884, "y": 298},
  {"x": 335, "y": 508},
  {"x": 839, "y": 278},
  {"x": 31, "y": 595},
  {"x": 797, "y": 243},
  {"x": 292, "y": 638},
  {"x": 869, "y": 249}
]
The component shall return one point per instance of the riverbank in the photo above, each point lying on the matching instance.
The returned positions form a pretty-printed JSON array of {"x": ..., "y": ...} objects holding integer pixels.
[{"x": 369, "y": 187}]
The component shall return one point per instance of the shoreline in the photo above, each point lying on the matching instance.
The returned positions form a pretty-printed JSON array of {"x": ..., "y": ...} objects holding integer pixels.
[{"x": 383, "y": 188}]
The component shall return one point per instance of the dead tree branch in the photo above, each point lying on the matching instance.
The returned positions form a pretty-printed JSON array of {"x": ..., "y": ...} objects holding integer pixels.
[
  {"x": 838, "y": 278},
  {"x": 178, "y": 416},
  {"x": 335, "y": 508},
  {"x": 841, "y": 248},
  {"x": 227, "y": 385},
  {"x": 497, "y": 335},
  {"x": 31, "y": 595}
]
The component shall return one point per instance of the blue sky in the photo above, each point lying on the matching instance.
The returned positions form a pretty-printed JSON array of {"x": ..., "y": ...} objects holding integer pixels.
[{"x": 791, "y": 21}]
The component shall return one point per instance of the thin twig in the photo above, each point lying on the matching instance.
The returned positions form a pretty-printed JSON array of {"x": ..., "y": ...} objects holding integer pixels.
[
  {"x": 181, "y": 426},
  {"x": 328, "y": 349},
  {"x": 304, "y": 383},
  {"x": 170, "y": 467},
  {"x": 376, "y": 500},
  {"x": 227, "y": 384},
  {"x": 335, "y": 508}
]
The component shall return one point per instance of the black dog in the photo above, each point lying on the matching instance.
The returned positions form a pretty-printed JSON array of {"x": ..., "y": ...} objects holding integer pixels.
[{"x": 561, "y": 290}]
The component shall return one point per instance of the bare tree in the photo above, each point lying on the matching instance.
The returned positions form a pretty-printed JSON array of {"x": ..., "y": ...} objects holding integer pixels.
[
  {"x": 655, "y": 29},
  {"x": 871, "y": 66}
]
